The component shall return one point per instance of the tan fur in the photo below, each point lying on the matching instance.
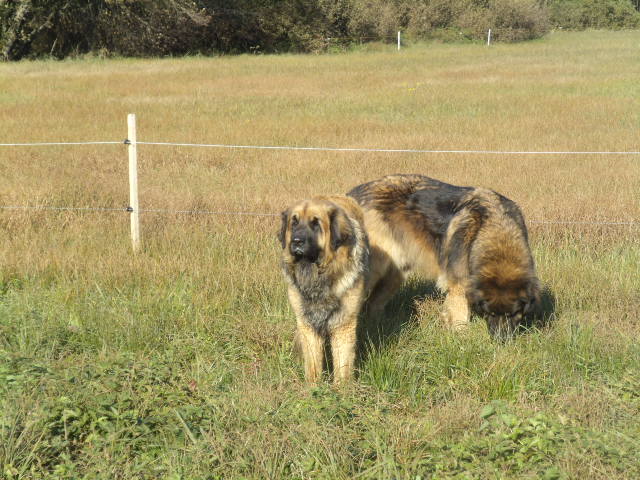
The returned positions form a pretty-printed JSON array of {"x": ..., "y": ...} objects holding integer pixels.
[
  {"x": 472, "y": 241},
  {"x": 327, "y": 294}
]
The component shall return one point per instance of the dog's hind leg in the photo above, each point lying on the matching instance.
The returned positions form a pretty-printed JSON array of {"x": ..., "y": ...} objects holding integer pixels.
[{"x": 382, "y": 292}]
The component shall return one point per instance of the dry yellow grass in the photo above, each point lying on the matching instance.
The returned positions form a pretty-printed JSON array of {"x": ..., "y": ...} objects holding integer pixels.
[
  {"x": 564, "y": 93},
  {"x": 569, "y": 92}
]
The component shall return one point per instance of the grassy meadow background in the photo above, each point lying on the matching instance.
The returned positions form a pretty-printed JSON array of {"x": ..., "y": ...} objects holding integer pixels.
[{"x": 176, "y": 363}]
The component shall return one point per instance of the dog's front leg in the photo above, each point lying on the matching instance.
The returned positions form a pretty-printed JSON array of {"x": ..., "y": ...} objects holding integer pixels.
[
  {"x": 456, "y": 308},
  {"x": 308, "y": 342},
  {"x": 311, "y": 345},
  {"x": 343, "y": 348},
  {"x": 343, "y": 334}
]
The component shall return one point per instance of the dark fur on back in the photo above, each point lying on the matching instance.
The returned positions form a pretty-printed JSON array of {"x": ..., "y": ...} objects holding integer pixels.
[{"x": 473, "y": 240}]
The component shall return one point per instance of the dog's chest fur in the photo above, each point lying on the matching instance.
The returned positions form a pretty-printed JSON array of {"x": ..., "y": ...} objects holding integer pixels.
[{"x": 320, "y": 304}]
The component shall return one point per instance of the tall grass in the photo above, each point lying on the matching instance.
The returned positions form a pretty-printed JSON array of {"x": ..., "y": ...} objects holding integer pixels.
[{"x": 176, "y": 363}]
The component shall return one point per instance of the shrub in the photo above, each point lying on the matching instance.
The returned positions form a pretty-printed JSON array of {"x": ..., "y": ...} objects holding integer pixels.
[
  {"x": 147, "y": 27},
  {"x": 36, "y": 28},
  {"x": 509, "y": 20},
  {"x": 581, "y": 14},
  {"x": 517, "y": 20}
]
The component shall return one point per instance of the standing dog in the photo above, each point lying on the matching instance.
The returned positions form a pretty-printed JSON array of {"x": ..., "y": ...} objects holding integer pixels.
[
  {"x": 325, "y": 260},
  {"x": 472, "y": 240}
]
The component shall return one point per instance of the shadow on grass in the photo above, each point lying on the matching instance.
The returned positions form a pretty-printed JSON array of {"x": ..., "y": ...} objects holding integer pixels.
[
  {"x": 400, "y": 313},
  {"x": 376, "y": 331},
  {"x": 545, "y": 316}
]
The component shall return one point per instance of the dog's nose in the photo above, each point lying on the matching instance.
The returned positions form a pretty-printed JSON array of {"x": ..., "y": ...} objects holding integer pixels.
[{"x": 298, "y": 245}]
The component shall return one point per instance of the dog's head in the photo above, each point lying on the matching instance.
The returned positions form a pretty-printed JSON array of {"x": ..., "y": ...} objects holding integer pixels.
[
  {"x": 505, "y": 300},
  {"x": 313, "y": 230}
]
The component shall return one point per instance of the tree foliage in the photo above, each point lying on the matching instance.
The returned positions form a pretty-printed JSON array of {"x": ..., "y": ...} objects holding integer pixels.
[
  {"x": 60, "y": 28},
  {"x": 581, "y": 14},
  {"x": 127, "y": 27}
]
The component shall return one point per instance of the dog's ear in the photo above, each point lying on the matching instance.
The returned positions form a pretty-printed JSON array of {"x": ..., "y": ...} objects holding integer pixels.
[
  {"x": 340, "y": 228},
  {"x": 282, "y": 236}
]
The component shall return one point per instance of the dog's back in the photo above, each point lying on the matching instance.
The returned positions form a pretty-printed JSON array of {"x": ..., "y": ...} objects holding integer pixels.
[
  {"x": 472, "y": 240},
  {"x": 407, "y": 217}
]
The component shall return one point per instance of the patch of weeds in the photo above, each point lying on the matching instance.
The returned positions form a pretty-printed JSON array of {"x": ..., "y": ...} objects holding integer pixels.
[
  {"x": 518, "y": 445},
  {"x": 10, "y": 282},
  {"x": 512, "y": 446},
  {"x": 18, "y": 372},
  {"x": 504, "y": 444},
  {"x": 127, "y": 407}
]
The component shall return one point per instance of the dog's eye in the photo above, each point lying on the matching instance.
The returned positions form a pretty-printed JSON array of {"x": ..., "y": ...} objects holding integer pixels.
[
  {"x": 294, "y": 220},
  {"x": 315, "y": 224}
]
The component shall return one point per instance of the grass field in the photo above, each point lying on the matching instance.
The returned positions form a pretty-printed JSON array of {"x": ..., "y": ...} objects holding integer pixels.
[{"x": 176, "y": 363}]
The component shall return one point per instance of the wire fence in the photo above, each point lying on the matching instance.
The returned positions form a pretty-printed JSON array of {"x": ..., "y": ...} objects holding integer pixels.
[
  {"x": 268, "y": 214},
  {"x": 629, "y": 223},
  {"x": 388, "y": 150},
  {"x": 48, "y": 144},
  {"x": 337, "y": 149}
]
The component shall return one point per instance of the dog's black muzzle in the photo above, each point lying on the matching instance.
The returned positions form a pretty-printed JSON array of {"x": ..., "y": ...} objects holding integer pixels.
[
  {"x": 303, "y": 245},
  {"x": 502, "y": 325}
]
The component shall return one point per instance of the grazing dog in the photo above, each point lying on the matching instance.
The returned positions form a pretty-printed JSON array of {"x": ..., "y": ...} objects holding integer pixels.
[
  {"x": 472, "y": 240},
  {"x": 325, "y": 261}
]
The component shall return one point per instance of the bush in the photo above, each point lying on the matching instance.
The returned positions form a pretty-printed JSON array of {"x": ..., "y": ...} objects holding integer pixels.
[
  {"x": 148, "y": 27},
  {"x": 518, "y": 20},
  {"x": 509, "y": 20},
  {"x": 44, "y": 28},
  {"x": 581, "y": 14},
  {"x": 375, "y": 19},
  {"x": 36, "y": 28}
]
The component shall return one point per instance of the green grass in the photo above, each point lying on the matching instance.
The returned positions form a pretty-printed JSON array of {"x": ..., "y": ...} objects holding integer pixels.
[{"x": 177, "y": 363}]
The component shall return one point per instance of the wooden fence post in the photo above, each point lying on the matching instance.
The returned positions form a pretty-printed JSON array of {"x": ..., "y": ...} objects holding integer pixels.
[{"x": 133, "y": 183}]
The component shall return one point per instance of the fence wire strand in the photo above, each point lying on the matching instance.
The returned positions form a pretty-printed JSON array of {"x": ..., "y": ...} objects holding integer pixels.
[
  {"x": 267, "y": 214},
  {"x": 141, "y": 210},
  {"x": 386, "y": 150},
  {"x": 331, "y": 149},
  {"x": 209, "y": 212},
  {"x": 46, "y": 207},
  {"x": 45, "y": 144}
]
